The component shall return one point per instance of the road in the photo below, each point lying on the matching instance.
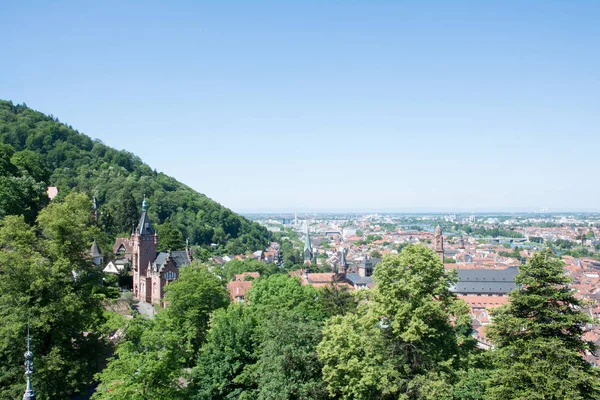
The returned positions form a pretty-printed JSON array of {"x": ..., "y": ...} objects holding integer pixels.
[{"x": 146, "y": 309}]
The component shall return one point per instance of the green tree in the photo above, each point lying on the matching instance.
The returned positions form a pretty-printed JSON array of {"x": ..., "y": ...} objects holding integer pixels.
[
  {"x": 169, "y": 237},
  {"x": 146, "y": 364},
  {"x": 403, "y": 343},
  {"x": 229, "y": 349},
  {"x": 337, "y": 300},
  {"x": 191, "y": 299},
  {"x": 266, "y": 350},
  {"x": 234, "y": 267},
  {"x": 126, "y": 213},
  {"x": 151, "y": 359},
  {"x": 538, "y": 338},
  {"x": 47, "y": 278},
  {"x": 286, "y": 365}
]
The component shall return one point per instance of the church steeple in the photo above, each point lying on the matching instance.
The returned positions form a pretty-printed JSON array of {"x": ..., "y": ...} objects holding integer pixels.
[
  {"x": 144, "y": 226},
  {"x": 29, "y": 392},
  {"x": 439, "y": 242},
  {"x": 308, "y": 253}
]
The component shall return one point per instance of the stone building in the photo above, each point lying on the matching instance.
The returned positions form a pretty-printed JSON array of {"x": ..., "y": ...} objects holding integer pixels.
[{"x": 152, "y": 271}]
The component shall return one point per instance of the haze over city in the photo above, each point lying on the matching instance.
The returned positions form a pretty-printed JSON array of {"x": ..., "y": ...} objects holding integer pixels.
[{"x": 313, "y": 106}]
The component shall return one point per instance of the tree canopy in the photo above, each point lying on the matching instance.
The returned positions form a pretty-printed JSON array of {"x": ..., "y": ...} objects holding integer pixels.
[{"x": 538, "y": 336}]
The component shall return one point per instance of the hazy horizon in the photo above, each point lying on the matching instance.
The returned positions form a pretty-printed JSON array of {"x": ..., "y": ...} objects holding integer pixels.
[{"x": 311, "y": 105}]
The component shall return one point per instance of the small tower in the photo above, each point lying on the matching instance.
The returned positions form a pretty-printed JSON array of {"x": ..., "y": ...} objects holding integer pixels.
[
  {"x": 97, "y": 257},
  {"x": 365, "y": 269},
  {"x": 144, "y": 240},
  {"x": 29, "y": 393},
  {"x": 461, "y": 243},
  {"x": 343, "y": 269},
  {"x": 308, "y": 253},
  {"x": 439, "y": 242}
]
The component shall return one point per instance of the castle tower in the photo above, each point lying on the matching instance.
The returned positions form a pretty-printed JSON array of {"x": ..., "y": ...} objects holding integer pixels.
[
  {"x": 308, "y": 253},
  {"x": 439, "y": 242},
  {"x": 144, "y": 240}
]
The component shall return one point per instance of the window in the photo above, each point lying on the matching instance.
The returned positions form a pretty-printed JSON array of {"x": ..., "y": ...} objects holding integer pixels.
[{"x": 170, "y": 275}]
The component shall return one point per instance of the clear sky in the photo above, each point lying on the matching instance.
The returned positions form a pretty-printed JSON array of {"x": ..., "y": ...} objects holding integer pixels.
[{"x": 328, "y": 105}]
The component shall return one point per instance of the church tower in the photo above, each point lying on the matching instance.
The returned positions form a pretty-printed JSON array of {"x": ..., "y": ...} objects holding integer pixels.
[
  {"x": 144, "y": 240},
  {"x": 308, "y": 253},
  {"x": 439, "y": 242},
  {"x": 343, "y": 269}
]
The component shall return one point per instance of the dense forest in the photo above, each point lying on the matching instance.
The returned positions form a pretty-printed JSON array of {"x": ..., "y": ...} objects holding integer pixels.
[{"x": 37, "y": 151}]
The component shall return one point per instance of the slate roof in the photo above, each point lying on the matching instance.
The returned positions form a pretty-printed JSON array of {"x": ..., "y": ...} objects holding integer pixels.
[
  {"x": 180, "y": 257},
  {"x": 95, "y": 250},
  {"x": 486, "y": 281},
  {"x": 356, "y": 279},
  {"x": 144, "y": 226}
]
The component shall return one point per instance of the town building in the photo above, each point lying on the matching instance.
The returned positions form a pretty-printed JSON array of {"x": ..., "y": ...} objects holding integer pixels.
[{"x": 152, "y": 271}]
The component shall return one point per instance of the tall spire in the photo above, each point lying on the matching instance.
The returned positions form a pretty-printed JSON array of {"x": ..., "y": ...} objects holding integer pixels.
[
  {"x": 29, "y": 393},
  {"x": 308, "y": 253},
  {"x": 144, "y": 226}
]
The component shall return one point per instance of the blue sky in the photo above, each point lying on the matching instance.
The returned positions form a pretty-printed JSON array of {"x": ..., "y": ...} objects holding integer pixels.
[{"x": 328, "y": 105}]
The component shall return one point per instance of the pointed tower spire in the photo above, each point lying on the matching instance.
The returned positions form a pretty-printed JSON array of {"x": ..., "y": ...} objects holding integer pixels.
[
  {"x": 29, "y": 393},
  {"x": 308, "y": 253}
]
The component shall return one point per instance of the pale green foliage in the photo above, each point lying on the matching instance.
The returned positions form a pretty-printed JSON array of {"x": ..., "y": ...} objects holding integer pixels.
[{"x": 403, "y": 334}]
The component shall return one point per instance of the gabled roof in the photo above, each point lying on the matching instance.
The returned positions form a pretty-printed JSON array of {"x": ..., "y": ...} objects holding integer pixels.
[{"x": 179, "y": 257}]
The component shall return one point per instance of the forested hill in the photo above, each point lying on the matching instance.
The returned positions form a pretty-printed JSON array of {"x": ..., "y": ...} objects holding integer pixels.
[{"x": 36, "y": 151}]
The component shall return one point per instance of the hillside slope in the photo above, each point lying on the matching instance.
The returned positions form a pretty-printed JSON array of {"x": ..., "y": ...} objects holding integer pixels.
[{"x": 36, "y": 150}]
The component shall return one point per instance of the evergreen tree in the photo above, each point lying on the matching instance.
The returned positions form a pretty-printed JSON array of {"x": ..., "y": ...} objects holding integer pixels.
[{"x": 538, "y": 338}]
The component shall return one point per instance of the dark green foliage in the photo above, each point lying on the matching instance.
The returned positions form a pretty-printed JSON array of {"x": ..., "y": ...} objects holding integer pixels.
[
  {"x": 169, "y": 237},
  {"x": 23, "y": 182},
  {"x": 228, "y": 350},
  {"x": 539, "y": 338},
  {"x": 336, "y": 300},
  {"x": 118, "y": 179},
  {"x": 266, "y": 350}
]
